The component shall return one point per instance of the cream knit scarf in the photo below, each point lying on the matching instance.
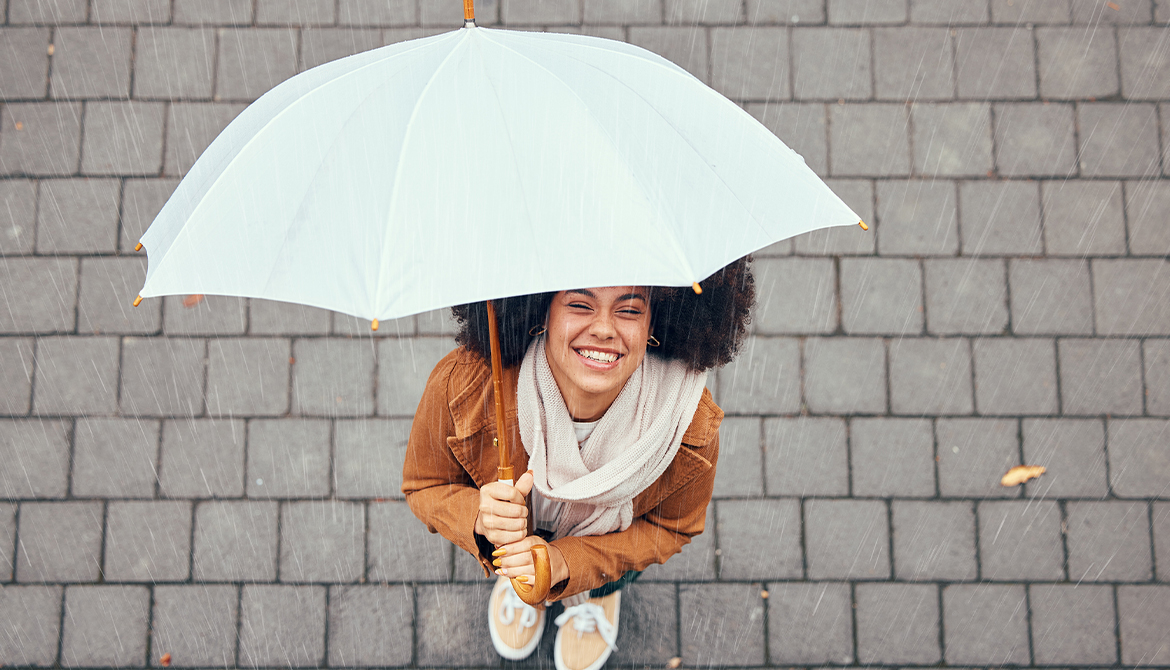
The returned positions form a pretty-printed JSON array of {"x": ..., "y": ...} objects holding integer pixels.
[{"x": 632, "y": 445}]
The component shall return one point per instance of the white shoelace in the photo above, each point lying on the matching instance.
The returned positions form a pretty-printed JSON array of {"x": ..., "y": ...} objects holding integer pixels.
[
  {"x": 588, "y": 617},
  {"x": 510, "y": 603}
]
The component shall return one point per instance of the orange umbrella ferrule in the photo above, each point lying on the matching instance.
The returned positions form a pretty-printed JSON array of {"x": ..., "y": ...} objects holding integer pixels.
[{"x": 863, "y": 226}]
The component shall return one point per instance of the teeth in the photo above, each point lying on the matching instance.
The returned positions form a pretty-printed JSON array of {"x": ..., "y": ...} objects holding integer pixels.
[{"x": 599, "y": 356}]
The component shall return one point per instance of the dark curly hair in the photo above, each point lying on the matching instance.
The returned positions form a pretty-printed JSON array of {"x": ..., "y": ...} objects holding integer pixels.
[{"x": 703, "y": 331}]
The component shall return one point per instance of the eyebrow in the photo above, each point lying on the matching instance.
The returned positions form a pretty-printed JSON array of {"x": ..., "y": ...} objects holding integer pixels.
[{"x": 621, "y": 298}]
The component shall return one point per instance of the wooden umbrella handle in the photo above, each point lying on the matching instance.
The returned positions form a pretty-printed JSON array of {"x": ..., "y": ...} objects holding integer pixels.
[{"x": 536, "y": 593}]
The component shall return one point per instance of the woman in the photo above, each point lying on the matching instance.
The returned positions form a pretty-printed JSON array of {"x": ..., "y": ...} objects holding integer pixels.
[{"x": 620, "y": 446}]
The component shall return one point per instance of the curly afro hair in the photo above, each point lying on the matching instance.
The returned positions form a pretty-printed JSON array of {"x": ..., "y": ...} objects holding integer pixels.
[{"x": 703, "y": 331}]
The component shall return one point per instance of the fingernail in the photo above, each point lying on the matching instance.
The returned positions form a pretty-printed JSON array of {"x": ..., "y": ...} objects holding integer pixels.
[
  {"x": 523, "y": 579},
  {"x": 500, "y": 552},
  {"x": 500, "y": 573},
  {"x": 504, "y": 572},
  {"x": 496, "y": 562}
]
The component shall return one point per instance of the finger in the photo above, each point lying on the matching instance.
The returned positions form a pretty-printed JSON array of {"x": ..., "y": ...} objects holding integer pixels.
[
  {"x": 492, "y": 522},
  {"x": 503, "y": 492},
  {"x": 503, "y": 538},
  {"x": 505, "y": 509},
  {"x": 524, "y": 484}
]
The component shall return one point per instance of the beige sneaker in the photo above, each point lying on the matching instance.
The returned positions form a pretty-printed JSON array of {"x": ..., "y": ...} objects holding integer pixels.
[
  {"x": 588, "y": 633},
  {"x": 515, "y": 626}
]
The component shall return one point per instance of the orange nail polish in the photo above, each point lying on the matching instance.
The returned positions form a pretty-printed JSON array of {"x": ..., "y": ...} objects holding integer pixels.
[
  {"x": 496, "y": 563},
  {"x": 500, "y": 552},
  {"x": 523, "y": 579}
]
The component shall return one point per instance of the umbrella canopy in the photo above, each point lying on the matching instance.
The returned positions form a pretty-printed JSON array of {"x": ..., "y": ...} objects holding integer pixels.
[{"x": 478, "y": 164}]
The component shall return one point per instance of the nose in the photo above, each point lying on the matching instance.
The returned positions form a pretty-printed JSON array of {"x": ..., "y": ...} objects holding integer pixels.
[{"x": 602, "y": 326}]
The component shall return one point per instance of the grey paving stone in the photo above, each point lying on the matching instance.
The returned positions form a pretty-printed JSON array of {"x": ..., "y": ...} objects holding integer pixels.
[
  {"x": 77, "y": 215},
  {"x": 1083, "y": 218},
  {"x": 1161, "y": 529},
  {"x": 1030, "y": 11},
  {"x": 749, "y": 63},
  {"x": 868, "y": 140},
  {"x": 268, "y": 317},
  {"x": 740, "y": 471},
  {"x": 235, "y": 540},
  {"x": 1145, "y": 63},
  {"x": 685, "y": 46},
  {"x": 1072, "y": 624},
  {"x": 202, "y": 458},
  {"x": 32, "y": 621},
  {"x": 1100, "y": 377},
  {"x": 147, "y": 541},
  {"x": 973, "y": 454},
  {"x": 898, "y": 623},
  {"x": 802, "y": 127},
  {"x": 648, "y": 631},
  {"x": 403, "y": 368},
  {"x": 353, "y": 327},
  {"x": 810, "y": 623},
  {"x": 448, "y": 14},
  {"x": 104, "y": 301},
  {"x": 446, "y": 635},
  {"x": 105, "y": 626},
  {"x": 892, "y": 457},
  {"x": 174, "y": 63},
  {"x": 1109, "y": 541},
  {"x": 1073, "y": 451},
  {"x": 368, "y": 456},
  {"x": 913, "y": 64},
  {"x": 985, "y": 624},
  {"x": 929, "y": 376},
  {"x": 540, "y": 12},
  {"x": 288, "y": 458},
  {"x": 1015, "y": 376},
  {"x": 191, "y": 126},
  {"x": 695, "y": 562},
  {"x": 39, "y": 295},
  {"x": 214, "y": 11},
  {"x": 844, "y": 375},
  {"x": 952, "y": 140},
  {"x": 364, "y": 12},
  {"x": 794, "y": 295},
  {"x": 620, "y": 11},
  {"x": 881, "y": 296},
  {"x": 947, "y": 13},
  {"x": 1050, "y": 297},
  {"x": 1035, "y": 139},
  {"x": 370, "y": 625},
  {"x": 253, "y": 60},
  {"x": 1143, "y": 613},
  {"x": 115, "y": 458},
  {"x": 56, "y": 12},
  {"x": 759, "y": 539},
  {"x": 91, "y": 62},
  {"x": 1077, "y": 62},
  {"x": 287, "y": 12},
  {"x": 1000, "y": 218},
  {"x": 1139, "y": 464},
  {"x": 141, "y": 201},
  {"x": 16, "y": 372},
  {"x": 248, "y": 377},
  {"x": 724, "y": 626},
  {"x": 806, "y": 456},
  {"x": 764, "y": 378},
  {"x": 1148, "y": 234},
  {"x": 1157, "y": 376},
  {"x": 333, "y": 377},
  {"x": 322, "y": 540},
  {"x": 690, "y": 12},
  {"x": 321, "y": 45},
  {"x": 934, "y": 540},
  {"x": 211, "y": 315},
  {"x": 1101, "y": 12},
  {"x": 34, "y": 458},
  {"x": 843, "y": 240},
  {"x": 18, "y": 201},
  {"x": 130, "y": 11},
  {"x": 59, "y": 541},
  {"x": 26, "y": 51},
  {"x": 1127, "y": 296},
  {"x": 1010, "y": 49},
  {"x": 786, "y": 11},
  {"x": 48, "y": 141},
  {"x": 282, "y": 625},
  {"x": 76, "y": 375},
  {"x": 867, "y": 11},
  {"x": 196, "y": 624},
  {"x": 7, "y": 541},
  {"x": 1118, "y": 140},
  {"x": 831, "y": 64},
  {"x": 434, "y": 322},
  {"x": 401, "y": 549},
  {"x": 1161, "y": 11},
  {"x": 162, "y": 377},
  {"x": 917, "y": 218},
  {"x": 1020, "y": 540},
  {"x": 847, "y": 539}
]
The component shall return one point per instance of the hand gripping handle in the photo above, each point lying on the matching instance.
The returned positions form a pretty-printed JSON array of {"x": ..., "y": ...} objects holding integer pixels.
[{"x": 537, "y": 593}]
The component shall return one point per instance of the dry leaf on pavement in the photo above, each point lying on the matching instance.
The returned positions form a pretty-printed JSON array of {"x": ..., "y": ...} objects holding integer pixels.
[{"x": 1020, "y": 474}]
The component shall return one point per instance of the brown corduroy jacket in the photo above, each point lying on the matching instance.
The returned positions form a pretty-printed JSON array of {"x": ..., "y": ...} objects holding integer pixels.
[{"x": 450, "y": 455}]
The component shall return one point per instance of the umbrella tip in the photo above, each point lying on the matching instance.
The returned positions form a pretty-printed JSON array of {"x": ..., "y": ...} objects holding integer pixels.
[
  {"x": 138, "y": 247},
  {"x": 374, "y": 325},
  {"x": 138, "y": 301},
  {"x": 698, "y": 289},
  {"x": 863, "y": 226}
]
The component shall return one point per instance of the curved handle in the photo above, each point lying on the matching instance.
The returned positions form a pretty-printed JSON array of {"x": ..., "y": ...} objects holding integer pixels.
[{"x": 534, "y": 594}]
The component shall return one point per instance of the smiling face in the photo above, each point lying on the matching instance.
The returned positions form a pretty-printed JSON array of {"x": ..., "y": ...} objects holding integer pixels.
[{"x": 596, "y": 339}]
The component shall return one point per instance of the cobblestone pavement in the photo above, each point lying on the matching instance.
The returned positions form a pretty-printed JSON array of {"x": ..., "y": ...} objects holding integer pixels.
[{"x": 220, "y": 482}]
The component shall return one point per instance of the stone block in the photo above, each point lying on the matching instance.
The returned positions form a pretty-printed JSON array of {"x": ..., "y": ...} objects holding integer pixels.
[
  {"x": 622, "y": 11},
  {"x": 370, "y": 625},
  {"x": 794, "y": 295},
  {"x": 32, "y": 623},
  {"x": 764, "y": 378},
  {"x": 322, "y": 541},
  {"x": 973, "y": 454},
  {"x": 78, "y": 216},
  {"x": 649, "y": 627},
  {"x": 898, "y": 623},
  {"x": 831, "y": 64},
  {"x": 401, "y": 549},
  {"x": 191, "y": 126},
  {"x": 934, "y": 540},
  {"x": 806, "y": 456},
  {"x": 105, "y": 626},
  {"x": 130, "y": 11},
  {"x": 1139, "y": 463},
  {"x": 869, "y": 140},
  {"x": 847, "y": 240},
  {"x": 18, "y": 199},
  {"x": 786, "y": 11},
  {"x": 16, "y": 372},
  {"x": 210, "y": 315},
  {"x": 881, "y": 296},
  {"x": 268, "y": 317},
  {"x": 1077, "y": 62},
  {"x": 290, "y": 13},
  {"x": 740, "y": 471},
  {"x": 162, "y": 376},
  {"x": 7, "y": 541},
  {"x": 802, "y": 127},
  {"x": 716, "y": 610},
  {"x": 333, "y": 377},
  {"x": 684, "y": 46},
  {"x": 1011, "y": 49},
  {"x": 865, "y": 12},
  {"x": 1146, "y": 203},
  {"x": 142, "y": 199},
  {"x": 1109, "y": 541},
  {"x": 282, "y": 625},
  {"x": 1143, "y": 614},
  {"x": 985, "y": 624},
  {"x": 115, "y": 458},
  {"x": 445, "y": 635},
  {"x": 690, "y": 12},
  {"x": 696, "y": 561},
  {"x": 91, "y": 62},
  {"x": 202, "y": 458},
  {"x": 1145, "y": 63},
  {"x": 253, "y": 60},
  {"x": 148, "y": 541},
  {"x": 847, "y": 539},
  {"x": 1100, "y": 377},
  {"x": 447, "y": 14},
  {"x": 1015, "y": 376},
  {"x": 1083, "y": 218},
  {"x": 1073, "y": 451},
  {"x": 235, "y": 540},
  {"x": 930, "y": 376},
  {"x": 1020, "y": 540},
  {"x": 759, "y": 539},
  {"x": 352, "y": 327},
  {"x": 248, "y": 377},
  {"x": 810, "y": 622},
  {"x": 540, "y": 12},
  {"x": 952, "y": 140},
  {"x": 174, "y": 63},
  {"x": 1000, "y": 218},
  {"x": 26, "y": 51},
  {"x": 33, "y": 11},
  {"x": 59, "y": 542},
  {"x": 288, "y": 458},
  {"x": 104, "y": 299},
  {"x": 214, "y": 11},
  {"x": 917, "y": 218},
  {"x": 1161, "y": 529},
  {"x": 1162, "y": 11},
  {"x": 368, "y": 457},
  {"x": 892, "y": 458},
  {"x": 1050, "y": 297},
  {"x": 76, "y": 375},
  {"x": 34, "y": 458},
  {"x": 1097, "y": 12},
  {"x": 1033, "y": 11},
  {"x": 48, "y": 141},
  {"x": 1035, "y": 139},
  {"x": 1157, "y": 376},
  {"x": 913, "y": 64},
  {"x": 321, "y": 45},
  {"x": 943, "y": 12},
  {"x": 436, "y": 322},
  {"x": 403, "y": 368},
  {"x": 1072, "y": 624},
  {"x": 750, "y": 63},
  {"x": 1122, "y": 292},
  {"x": 196, "y": 624},
  {"x": 845, "y": 375},
  {"x": 1118, "y": 140}
]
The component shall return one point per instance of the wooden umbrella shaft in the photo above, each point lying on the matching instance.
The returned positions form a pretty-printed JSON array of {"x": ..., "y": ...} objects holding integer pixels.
[
  {"x": 504, "y": 471},
  {"x": 468, "y": 10}
]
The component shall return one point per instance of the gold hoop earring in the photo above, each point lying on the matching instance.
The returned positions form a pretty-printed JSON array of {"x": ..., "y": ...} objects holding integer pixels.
[
  {"x": 653, "y": 341},
  {"x": 537, "y": 331}
]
